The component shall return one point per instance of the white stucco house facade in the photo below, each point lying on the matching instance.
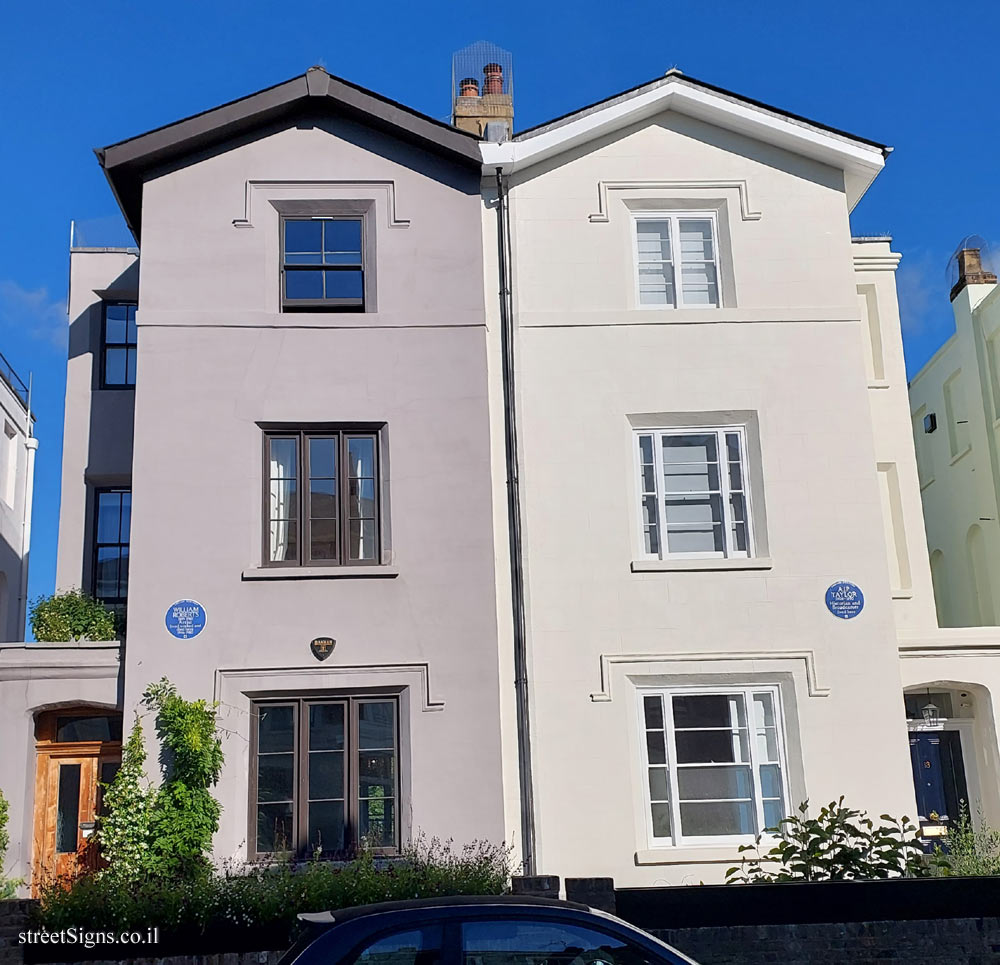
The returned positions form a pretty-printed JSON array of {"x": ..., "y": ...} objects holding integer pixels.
[{"x": 714, "y": 434}]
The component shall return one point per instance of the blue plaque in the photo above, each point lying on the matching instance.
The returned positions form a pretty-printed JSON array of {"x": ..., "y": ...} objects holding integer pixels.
[
  {"x": 845, "y": 600},
  {"x": 185, "y": 619}
]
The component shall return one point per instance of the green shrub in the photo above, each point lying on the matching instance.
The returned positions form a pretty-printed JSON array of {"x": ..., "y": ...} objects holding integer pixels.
[
  {"x": 969, "y": 850},
  {"x": 839, "y": 844},
  {"x": 71, "y": 615},
  {"x": 255, "y": 908}
]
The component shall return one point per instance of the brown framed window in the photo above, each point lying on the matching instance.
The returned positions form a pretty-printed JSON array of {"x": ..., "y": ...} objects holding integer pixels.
[
  {"x": 323, "y": 264},
  {"x": 324, "y": 776},
  {"x": 321, "y": 497}
]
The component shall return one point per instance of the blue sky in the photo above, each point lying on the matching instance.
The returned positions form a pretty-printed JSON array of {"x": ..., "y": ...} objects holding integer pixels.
[{"x": 918, "y": 75}]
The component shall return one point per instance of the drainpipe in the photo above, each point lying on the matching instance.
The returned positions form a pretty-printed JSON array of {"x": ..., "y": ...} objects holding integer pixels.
[
  {"x": 514, "y": 532},
  {"x": 30, "y": 447}
]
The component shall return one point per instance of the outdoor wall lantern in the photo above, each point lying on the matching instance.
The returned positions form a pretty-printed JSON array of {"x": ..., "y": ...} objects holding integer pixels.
[{"x": 930, "y": 713}]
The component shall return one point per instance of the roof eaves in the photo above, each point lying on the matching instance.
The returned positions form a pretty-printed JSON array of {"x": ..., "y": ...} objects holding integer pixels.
[
  {"x": 124, "y": 162},
  {"x": 676, "y": 76}
]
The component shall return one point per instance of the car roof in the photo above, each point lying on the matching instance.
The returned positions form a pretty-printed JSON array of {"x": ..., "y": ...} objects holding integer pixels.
[{"x": 340, "y": 915}]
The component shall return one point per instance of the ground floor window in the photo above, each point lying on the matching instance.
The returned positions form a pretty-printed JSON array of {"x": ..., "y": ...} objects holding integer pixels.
[
  {"x": 714, "y": 763},
  {"x": 324, "y": 775}
]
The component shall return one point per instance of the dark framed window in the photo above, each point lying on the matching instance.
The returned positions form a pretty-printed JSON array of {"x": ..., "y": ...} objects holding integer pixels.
[
  {"x": 112, "y": 523},
  {"x": 118, "y": 345},
  {"x": 323, "y": 264},
  {"x": 324, "y": 776},
  {"x": 321, "y": 497}
]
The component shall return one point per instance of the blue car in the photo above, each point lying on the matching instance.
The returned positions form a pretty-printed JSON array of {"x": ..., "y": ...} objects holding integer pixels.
[{"x": 507, "y": 930}]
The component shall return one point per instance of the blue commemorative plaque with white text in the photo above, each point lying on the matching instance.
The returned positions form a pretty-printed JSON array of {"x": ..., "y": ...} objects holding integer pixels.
[
  {"x": 185, "y": 619},
  {"x": 845, "y": 600}
]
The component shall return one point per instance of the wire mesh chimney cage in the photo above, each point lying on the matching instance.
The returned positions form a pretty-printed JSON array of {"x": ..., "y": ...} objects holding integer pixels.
[
  {"x": 980, "y": 259},
  {"x": 482, "y": 70}
]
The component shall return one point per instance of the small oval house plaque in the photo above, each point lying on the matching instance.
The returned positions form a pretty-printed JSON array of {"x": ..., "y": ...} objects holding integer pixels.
[
  {"x": 322, "y": 647},
  {"x": 845, "y": 600}
]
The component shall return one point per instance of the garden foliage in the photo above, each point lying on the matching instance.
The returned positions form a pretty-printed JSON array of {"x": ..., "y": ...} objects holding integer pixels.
[
  {"x": 255, "y": 907},
  {"x": 71, "y": 615},
  {"x": 164, "y": 832},
  {"x": 839, "y": 844}
]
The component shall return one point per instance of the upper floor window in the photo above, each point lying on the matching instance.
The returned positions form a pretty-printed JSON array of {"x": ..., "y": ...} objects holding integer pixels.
[
  {"x": 118, "y": 345},
  {"x": 323, "y": 264},
  {"x": 324, "y": 775},
  {"x": 321, "y": 497},
  {"x": 677, "y": 261},
  {"x": 112, "y": 523},
  {"x": 714, "y": 763},
  {"x": 693, "y": 493}
]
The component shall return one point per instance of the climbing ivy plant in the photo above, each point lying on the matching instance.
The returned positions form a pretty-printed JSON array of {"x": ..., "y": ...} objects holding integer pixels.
[
  {"x": 123, "y": 830},
  {"x": 165, "y": 831},
  {"x": 184, "y": 816}
]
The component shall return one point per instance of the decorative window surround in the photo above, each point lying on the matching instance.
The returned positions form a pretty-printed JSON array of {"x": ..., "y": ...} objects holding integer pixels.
[
  {"x": 649, "y": 662},
  {"x": 232, "y": 684},
  {"x": 650, "y": 423},
  {"x": 393, "y": 218},
  {"x": 601, "y": 216}
]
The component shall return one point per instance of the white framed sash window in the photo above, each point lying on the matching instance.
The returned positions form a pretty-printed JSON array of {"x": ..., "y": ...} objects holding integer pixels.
[
  {"x": 693, "y": 493},
  {"x": 713, "y": 763},
  {"x": 677, "y": 260}
]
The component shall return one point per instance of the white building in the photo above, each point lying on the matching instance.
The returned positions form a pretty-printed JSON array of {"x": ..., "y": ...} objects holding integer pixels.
[
  {"x": 955, "y": 403},
  {"x": 714, "y": 432}
]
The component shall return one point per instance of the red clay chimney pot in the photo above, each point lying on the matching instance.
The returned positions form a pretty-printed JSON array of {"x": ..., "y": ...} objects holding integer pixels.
[{"x": 493, "y": 83}]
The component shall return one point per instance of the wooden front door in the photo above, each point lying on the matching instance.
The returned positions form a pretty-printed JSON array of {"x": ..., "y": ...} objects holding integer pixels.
[{"x": 68, "y": 793}]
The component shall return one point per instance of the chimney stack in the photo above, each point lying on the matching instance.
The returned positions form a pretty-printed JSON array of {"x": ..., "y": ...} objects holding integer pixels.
[
  {"x": 489, "y": 114},
  {"x": 971, "y": 271}
]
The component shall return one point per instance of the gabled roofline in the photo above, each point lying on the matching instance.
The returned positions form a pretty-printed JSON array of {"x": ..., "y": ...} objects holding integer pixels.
[
  {"x": 127, "y": 162},
  {"x": 860, "y": 158}
]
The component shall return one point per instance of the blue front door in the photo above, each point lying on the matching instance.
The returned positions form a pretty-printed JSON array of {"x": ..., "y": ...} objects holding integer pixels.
[{"x": 938, "y": 774}]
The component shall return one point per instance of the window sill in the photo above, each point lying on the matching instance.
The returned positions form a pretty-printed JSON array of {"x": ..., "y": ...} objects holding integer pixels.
[
  {"x": 699, "y": 854},
  {"x": 320, "y": 572},
  {"x": 670, "y": 566}
]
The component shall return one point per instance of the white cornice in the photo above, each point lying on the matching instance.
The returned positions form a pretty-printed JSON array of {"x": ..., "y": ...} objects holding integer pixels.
[
  {"x": 859, "y": 160},
  {"x": 884, "y": 262}
]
